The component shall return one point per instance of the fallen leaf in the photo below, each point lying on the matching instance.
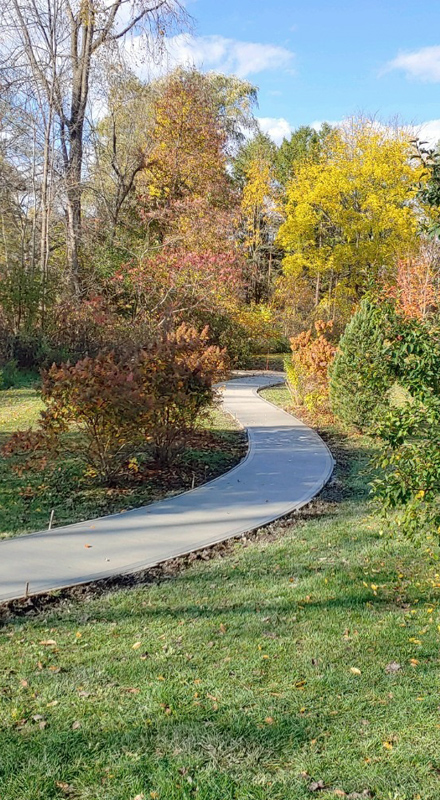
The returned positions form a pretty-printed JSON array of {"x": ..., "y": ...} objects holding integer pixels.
[
  {"x": 37, "y": 717},
  {"x": 269, "y": 720},
  {"x": 414, "y": 662},
  {"x": 42, "y": 724},
  {"x": 65, "y": 787},
  {"x": 48, "y": 642},
  {"x": 387, "y": 745},
  {"x": 52, "y": 703},
  {"x": 339, "y": 793},
  {"x": 76, "y": 725},
  {"x": 393, "y": 666},
  {"x": 88, "y": 546},
  {"x": 316, "y": 786},
  {"x": 136, "y": 645},
  {"x": 24, "y": 683},
  {"x": 222, "y": 628},
  {"x": 355, "y": 671},
  {"x": 139, "y": 797}
]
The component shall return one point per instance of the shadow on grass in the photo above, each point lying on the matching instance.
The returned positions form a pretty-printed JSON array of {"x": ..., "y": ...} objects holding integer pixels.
[{"x": 193, "y": 741}]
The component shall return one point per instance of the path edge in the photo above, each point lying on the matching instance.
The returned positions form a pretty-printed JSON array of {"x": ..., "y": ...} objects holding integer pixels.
[{"x": 238, "y": 532}]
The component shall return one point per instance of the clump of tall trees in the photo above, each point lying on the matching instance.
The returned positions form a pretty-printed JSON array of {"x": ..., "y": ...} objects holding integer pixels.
[{"x": 137, "y": 205}]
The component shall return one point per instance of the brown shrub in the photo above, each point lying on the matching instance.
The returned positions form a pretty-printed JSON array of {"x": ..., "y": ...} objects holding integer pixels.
[{"x": 118, "y": 408}]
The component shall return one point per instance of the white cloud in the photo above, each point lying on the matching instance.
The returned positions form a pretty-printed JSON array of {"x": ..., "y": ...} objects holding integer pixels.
[
  {"x": 276, "y": 127},
  {"x": 209, "y": 52},
  {"x": 279, "y": 128},
  {"x": 317, "y": 125},
  {"x": 423, "y": 64},
  {"x": 429, "y": 132}
]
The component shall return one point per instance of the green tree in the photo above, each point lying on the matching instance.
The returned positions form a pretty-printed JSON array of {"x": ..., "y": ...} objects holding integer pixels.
[
  {"x": 305, "y": 144},
  {"x": 429, "y": 187},
  {"x": 259, "y": 148},
  {"x": 361, "y": 375}
]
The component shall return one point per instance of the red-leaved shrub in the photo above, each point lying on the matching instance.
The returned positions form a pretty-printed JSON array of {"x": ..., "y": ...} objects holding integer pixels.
[{"x": 118, "y": 408}]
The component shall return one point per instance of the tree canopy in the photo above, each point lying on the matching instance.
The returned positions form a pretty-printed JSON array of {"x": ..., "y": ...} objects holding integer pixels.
[{"x": 352, "y": 210}]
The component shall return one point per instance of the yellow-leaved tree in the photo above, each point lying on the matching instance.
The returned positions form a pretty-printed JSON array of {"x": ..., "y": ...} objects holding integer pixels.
[
  {"x": 259, "y": 222},
  {"x": 349, "y": 214}
]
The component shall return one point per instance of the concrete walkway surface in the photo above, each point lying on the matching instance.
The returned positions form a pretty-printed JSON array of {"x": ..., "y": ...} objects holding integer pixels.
[{"x": 287, "y": 464}]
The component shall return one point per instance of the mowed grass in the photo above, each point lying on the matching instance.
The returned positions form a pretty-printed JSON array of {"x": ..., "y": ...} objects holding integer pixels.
[
  {"x": 27, "y": 499},
  {"x": 305, "y": 664}
]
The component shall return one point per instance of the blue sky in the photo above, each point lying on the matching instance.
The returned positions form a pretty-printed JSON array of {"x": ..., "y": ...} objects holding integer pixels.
[{"x": 321, "y": 60}]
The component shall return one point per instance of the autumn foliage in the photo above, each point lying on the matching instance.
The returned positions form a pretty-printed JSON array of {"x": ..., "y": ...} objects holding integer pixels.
[
  {"x": 350, "y": 212},
  {"x": 307, "y": 372},
  {"x": 416, "y": 285},
  {"x": 118, "y": 408},
  {"x": 174, "y": 282}
]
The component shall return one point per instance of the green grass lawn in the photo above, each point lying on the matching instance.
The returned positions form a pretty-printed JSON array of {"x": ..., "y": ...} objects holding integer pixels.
[
  {"x": 274, "y": 361},
  {"x": 26, "y": 500},
  {"x": 305, "y": 664}
]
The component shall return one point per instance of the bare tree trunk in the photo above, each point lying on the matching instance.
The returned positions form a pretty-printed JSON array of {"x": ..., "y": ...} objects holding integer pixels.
[
  {"x": 54, "y": 44},
  {"x": 317, "y": 289},
  {"x": 74, "y": 228}
]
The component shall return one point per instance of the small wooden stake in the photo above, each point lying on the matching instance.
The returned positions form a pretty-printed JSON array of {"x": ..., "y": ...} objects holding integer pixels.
[
  {"x": 26, "y": 591},
  {"x": 193, "y": 481},
  {"x": 51, "y": 519}
]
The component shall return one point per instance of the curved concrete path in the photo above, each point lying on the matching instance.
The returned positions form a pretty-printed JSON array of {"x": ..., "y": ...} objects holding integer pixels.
[{"x": 286, "y": 465}]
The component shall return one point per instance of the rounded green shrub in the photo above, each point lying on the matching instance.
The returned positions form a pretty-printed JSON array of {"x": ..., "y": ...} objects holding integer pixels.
[{"x": 8, "y": 375}]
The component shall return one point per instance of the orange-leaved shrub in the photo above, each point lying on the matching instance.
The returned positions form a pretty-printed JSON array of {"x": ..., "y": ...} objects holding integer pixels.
[
  {"x": 416, "y": 285},
  {"x": 118, "y": 408},
  {"x": 307, "y": 370},
  {"x": 178, "y": 371}
]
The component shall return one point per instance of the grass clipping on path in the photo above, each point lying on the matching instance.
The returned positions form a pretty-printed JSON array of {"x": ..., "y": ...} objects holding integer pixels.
[
  {"x": 302, "y": 665},
  {"x": 26, "y": 500}
]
